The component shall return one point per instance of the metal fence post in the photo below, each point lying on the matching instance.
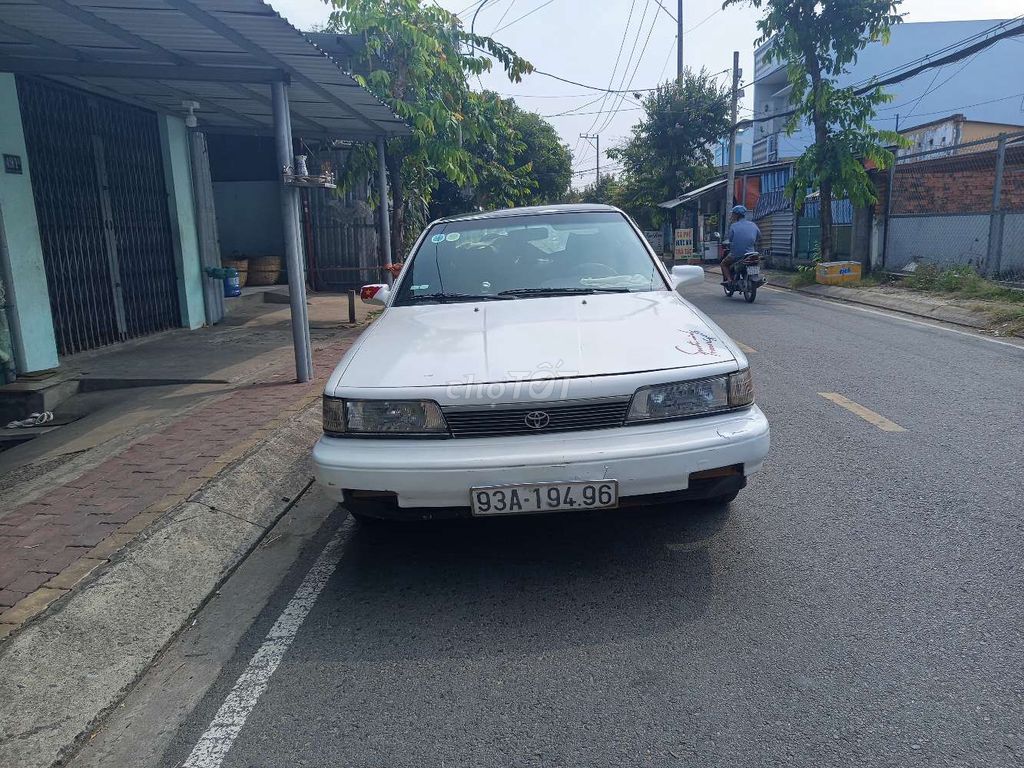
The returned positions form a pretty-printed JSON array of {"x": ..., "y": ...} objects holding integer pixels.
[
  {"x": 888, "y": 211},
  {"x": 995, "y": 227}
]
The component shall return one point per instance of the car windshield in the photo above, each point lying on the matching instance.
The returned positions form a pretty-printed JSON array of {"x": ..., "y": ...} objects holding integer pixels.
[{"x": 529, "y": 256}]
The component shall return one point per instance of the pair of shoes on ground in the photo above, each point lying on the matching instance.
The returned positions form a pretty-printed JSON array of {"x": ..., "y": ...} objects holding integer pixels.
[{"x": 34, "y": 420}]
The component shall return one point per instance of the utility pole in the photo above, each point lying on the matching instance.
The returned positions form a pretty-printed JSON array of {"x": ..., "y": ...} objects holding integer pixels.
[
  {"x": 597, "y": 170},
  {"x": 731, "y": 184},
  {"x": 679, "y": 42}
]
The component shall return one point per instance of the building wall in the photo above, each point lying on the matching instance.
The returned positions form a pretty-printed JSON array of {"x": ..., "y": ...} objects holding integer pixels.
[
  {"x": 35, "y": 346},
  {"x": 931, "y": 137},
  {"x": 961, "y": 184},
  {"x": 973, "y": 131},
  {"x": 981, "y": 80},
  {"x": 181, "y": 202}
]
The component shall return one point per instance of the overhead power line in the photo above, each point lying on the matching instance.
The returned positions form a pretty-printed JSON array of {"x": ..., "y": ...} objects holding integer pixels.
[
  {"x": 951, "y": 58},
  {"x": 520, "y": 18},
  {"x": 507, "y": 9}
]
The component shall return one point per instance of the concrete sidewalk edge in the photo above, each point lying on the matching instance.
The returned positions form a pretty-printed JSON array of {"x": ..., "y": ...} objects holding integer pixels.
[{"x": 65, "y": 671}]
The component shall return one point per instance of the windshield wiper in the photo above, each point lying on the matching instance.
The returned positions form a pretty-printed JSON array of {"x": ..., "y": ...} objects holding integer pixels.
[
  {"x": 559, "y": 291},
  {"x": 444, "y": 298}
]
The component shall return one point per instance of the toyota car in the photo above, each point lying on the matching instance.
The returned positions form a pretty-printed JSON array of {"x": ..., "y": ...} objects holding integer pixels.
[{"x": 537, "y": 360}]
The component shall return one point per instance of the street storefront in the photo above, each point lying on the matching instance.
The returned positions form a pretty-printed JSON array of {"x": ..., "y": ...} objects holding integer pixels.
[
  {"x": 108, "y": 220},
  {"x": 101, "y": 202}
]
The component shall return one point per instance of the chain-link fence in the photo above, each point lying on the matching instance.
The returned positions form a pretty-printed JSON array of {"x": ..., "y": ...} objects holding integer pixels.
[{"x": 959, "y": 205}]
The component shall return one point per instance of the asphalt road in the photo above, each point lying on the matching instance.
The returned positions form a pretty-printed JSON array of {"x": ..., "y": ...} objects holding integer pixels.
[{"x": 861, "y": 603}]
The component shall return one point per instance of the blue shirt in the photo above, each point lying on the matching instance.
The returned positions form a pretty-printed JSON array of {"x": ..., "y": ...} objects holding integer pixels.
[{"x": 743, "y": 235}]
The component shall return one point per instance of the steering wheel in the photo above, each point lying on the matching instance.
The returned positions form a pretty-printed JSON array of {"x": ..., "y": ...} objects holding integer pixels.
[{"x": 595, "y": 269}]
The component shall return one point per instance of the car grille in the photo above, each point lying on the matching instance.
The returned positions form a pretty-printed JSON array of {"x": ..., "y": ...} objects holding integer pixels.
[{"x": 540, "y": 418}]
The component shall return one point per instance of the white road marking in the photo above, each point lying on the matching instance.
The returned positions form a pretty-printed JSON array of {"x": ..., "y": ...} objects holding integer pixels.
[
  {"x": 746, "y": 350},
  {"x": 214, "y": 745},
  {"x": 937, "y": 325}
]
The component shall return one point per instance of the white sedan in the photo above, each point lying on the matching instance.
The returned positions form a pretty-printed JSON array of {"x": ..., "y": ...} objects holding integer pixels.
[{"x": 537, "y": 360}]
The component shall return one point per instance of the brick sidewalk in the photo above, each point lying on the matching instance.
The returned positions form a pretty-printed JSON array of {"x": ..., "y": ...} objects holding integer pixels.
[{"x": 52, "y": 543}]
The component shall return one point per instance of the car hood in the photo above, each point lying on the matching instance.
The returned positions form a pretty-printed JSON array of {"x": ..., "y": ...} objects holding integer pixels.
[{"x": 495, "y": 341}]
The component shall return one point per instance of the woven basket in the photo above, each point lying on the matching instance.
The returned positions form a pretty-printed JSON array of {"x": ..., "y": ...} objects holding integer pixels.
[
  {"x": 242, "y": 265},
  {"x": 264, "y": 270}
]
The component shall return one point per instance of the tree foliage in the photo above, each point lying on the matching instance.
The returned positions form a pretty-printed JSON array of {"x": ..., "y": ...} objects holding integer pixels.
[
  {"x": 606, "y": 191},
  {"x": 818, "y": 40},
  {"x": 418, "y": 60},
  {"x": 529, "y": 165},
  {"x": 671, "y": 148},
  {"x": 550, "y": 160}
]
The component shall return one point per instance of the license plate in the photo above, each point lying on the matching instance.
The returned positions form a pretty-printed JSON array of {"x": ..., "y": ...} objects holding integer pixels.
[
  {"x": 753, "y": 271},
  {"x": 543, "y": 497}
]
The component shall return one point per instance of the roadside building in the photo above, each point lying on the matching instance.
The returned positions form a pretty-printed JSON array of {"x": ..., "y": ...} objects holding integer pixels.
[
  {"x": 950, "y": 133},
  {"x": 762, "y": 190},
  {"x": 112, "y": 119},
  {"x": 982, "y": 82}
]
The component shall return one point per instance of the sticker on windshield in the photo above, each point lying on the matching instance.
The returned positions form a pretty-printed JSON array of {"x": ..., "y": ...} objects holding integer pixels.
[
  {"x": 451, "y": 237},
  {"x": 437, "y": 239},
  {"x": 421, "y": 287}
]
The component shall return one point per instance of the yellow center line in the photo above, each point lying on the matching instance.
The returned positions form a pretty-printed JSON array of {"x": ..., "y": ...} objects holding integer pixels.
[
  {"x": 746, "y": 350},
  {"x": 865, "y": 413}
]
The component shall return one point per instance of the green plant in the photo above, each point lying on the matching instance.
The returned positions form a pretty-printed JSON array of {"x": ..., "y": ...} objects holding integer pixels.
[
  {"x": 805, "y": 275},
  {"x": 670, "y": 150},
  {"x": 818, "y": 39},
  {"x": 963, "y": 281},
  {"x": 418, "y": 59}
]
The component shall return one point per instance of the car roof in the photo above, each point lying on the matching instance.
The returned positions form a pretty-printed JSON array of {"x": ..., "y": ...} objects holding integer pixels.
[{"x": 533, "y": 210}]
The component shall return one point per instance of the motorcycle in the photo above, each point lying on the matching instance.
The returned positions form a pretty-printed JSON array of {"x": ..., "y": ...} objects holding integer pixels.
[{"x": 746, "y": 277}]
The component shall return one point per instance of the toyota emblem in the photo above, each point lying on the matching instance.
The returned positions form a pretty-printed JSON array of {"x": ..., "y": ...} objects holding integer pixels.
[{"x": 537, "y": 420}]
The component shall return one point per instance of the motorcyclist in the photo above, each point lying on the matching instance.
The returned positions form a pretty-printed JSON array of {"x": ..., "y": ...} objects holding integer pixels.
[{"x": 743, "y": 238}]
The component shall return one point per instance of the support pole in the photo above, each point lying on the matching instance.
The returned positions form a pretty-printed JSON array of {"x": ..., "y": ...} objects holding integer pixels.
[
  {"x": 993, "y": 264},
  {"x": 206, "y": 227},
  {"x": 729, "y": 188},
  {"x": 679, "y": 42},
  {"x": 292, "y": 242},
  {"x": 385, "y": 214}
]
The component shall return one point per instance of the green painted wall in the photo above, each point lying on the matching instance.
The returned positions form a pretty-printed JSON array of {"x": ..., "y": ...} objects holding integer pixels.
[
  {"x": 35, "y": 346},
  {"x": 181, "y": 203}
]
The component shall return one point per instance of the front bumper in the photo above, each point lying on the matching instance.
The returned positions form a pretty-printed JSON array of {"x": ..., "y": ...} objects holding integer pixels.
[{"x": 645, "y": 459}]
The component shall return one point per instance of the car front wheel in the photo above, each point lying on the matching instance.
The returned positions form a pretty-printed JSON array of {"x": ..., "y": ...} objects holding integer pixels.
[{"x": 724, "y": 500}]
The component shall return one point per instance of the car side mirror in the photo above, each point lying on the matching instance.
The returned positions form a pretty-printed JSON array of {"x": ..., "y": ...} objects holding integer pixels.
[
  {"x": 378, "y": 294},
  {"x": 686, "y": 275}
]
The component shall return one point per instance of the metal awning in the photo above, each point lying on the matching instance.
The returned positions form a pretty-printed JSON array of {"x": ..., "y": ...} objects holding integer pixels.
[
  {"x": 224, "y": 54},
  {"x": 693, "y": 196}
]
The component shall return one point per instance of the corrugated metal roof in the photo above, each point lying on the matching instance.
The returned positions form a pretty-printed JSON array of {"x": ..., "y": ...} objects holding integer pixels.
[{"x": 222, "y": 53}]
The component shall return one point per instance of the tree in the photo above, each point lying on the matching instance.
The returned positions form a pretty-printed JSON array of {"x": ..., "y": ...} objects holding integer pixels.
[
  {"x": 671, "y": 149},
  {"x": 818, "y": 40},
  {"x": 528, "y": 165},
  {"x": 549, "y": 159},
  {"x": 606, "y": 191},
  {"x": 418, "y": 60}
]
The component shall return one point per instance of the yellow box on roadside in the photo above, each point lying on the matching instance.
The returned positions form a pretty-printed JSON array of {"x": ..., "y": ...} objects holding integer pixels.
[{"x": 838, "y": 272}]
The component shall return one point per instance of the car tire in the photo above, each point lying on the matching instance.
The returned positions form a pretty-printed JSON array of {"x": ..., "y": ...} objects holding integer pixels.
[
  {"x": 724, "y": 500},
  {"x": 368, "y": 520}
]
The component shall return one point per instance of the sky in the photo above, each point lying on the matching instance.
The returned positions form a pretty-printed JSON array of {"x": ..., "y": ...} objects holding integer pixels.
[{"x": 582, "y": 40}]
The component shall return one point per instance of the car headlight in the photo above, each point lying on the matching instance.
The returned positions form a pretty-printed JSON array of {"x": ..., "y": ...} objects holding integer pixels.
[
  {"x": 383, "y": 417},
  {"x": 682, "y": 399}
]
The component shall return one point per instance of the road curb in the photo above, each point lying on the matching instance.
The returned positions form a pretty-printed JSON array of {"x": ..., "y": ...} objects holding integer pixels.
[
  {"x": 946, "y": 314},
  {"x": 70, "y": 666}
]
